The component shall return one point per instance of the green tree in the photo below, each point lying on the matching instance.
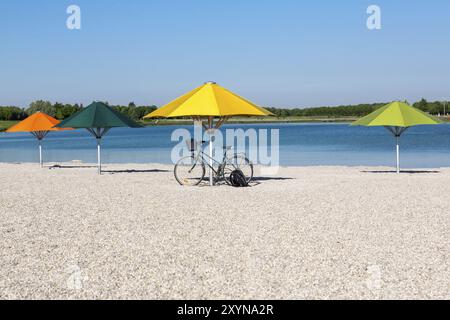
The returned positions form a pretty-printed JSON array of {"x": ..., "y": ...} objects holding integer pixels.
[
  {"x": 69, "y": 110},
  {"x": 422, "y": 105},
  {"x": 10, "y": 113},
  {"x": 59, "y": 114},
  {"x": 43, "y": 106}
]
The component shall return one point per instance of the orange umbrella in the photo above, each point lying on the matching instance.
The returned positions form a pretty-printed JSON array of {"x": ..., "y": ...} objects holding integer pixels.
[{"x": 39, "y": 124}]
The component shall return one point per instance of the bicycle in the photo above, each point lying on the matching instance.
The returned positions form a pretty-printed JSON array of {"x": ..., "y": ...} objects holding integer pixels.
[{"x": 191, "y": 170}]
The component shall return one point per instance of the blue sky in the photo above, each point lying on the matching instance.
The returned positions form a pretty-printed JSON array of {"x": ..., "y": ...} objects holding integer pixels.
[{"x": 285, "y": 53}]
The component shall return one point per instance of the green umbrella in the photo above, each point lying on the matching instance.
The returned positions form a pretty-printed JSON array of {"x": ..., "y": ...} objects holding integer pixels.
[
  {"x": 396, "y": 117},
  {"x": 98, "y": 119}
]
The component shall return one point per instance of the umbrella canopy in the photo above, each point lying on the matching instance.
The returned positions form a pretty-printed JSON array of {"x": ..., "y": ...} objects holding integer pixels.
[
  {"x": 38, "y": 124},
  {"x": 35, "y": 123},
  {"x": 396, "y": 117},
  {"x": 98, "y": 118},
  {"x": 209, "y": 101},
  {"x": 396, "y": 114},
  {"x": 98, "y": 115}
]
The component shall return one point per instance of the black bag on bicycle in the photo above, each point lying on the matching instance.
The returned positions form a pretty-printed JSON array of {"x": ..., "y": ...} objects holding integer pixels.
[{"x": 237, "y": 179}]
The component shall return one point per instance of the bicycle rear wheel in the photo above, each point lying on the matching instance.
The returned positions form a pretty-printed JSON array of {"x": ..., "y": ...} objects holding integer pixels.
[
  {"x": 189, "y": 171},
  {"x": 238, "y": 162}
]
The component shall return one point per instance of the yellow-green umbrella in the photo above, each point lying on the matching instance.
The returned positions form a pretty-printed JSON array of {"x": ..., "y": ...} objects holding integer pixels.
[
  {"x": 396, "y": 117},
  {"x": 212, "y": 102}
]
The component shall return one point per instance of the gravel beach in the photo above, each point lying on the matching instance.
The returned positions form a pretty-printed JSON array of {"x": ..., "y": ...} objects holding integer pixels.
[{"x": 308, "y": 233}]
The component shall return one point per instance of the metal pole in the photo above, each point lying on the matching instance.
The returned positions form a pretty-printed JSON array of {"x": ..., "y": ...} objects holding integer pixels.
[
  {"x": 40, "y": 154},
  {"x": 99, "y": 164},
  {"x": 210, "y": 131},
  {"x": 211, "y": 182},
  {"x": 398, "y": 155}
]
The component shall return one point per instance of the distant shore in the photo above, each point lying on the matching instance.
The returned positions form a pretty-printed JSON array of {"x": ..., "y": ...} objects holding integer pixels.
[
  {"x": 266, "y": 120},
  {"x": 6, "y": 124},
  {"x": 167, "y": 122}
]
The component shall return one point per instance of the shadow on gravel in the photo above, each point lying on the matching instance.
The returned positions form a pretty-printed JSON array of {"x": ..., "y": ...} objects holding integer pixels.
[
  {"x": 404, "y": 171},
  {"x": 270, "y": 178},
  {"x": 107, "y": 171},
  {"x": 57, "y": 166},
  {"x": 134, "y": 171},
  {"x": 256, "y": 181}
]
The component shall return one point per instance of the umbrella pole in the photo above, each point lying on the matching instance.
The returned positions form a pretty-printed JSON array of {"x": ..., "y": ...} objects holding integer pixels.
[
  {"x": 211, "y": 182},
  {"x": 397, "y": 132},
  {"x": 398, "y": 155},
  {"x": 40, "y": 153},
  {"x": 99, "y": 162},
  {"x": 210, "y": 131},
  {"x": 98, "y": 134}
]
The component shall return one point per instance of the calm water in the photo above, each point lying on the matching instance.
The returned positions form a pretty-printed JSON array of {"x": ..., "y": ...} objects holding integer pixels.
[{"x": 300, "y": 144}]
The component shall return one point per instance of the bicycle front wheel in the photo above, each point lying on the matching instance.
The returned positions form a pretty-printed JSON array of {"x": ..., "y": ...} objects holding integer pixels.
[
  {"x": 238, "y": 162},
  {"x": 189, "y": 171}
]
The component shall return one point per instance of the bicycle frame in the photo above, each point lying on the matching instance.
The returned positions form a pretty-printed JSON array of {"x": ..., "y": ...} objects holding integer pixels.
[
  {"x": 218, "y": 169},
  {"x": 204, "y": 157}
]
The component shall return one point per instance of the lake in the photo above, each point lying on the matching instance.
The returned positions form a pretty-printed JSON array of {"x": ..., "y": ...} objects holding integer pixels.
[{"x": 300, "y": 145}]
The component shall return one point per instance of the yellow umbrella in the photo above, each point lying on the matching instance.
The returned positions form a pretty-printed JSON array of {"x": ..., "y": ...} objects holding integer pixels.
[{"x": 212, "y": 102}]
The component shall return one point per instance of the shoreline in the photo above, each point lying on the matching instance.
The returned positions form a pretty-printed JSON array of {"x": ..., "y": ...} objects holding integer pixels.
[
  {"x": 50, "y": 165},
  {"x": 166, "y": 122},
  {"x": 6, "y": 124}
]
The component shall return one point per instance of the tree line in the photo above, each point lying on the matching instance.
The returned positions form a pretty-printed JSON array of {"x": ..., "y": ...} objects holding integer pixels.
[
  {"x": 359, "y": 110},
  {"x": 62, "y": 111},
  {"x": 435, "y": 108}
]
